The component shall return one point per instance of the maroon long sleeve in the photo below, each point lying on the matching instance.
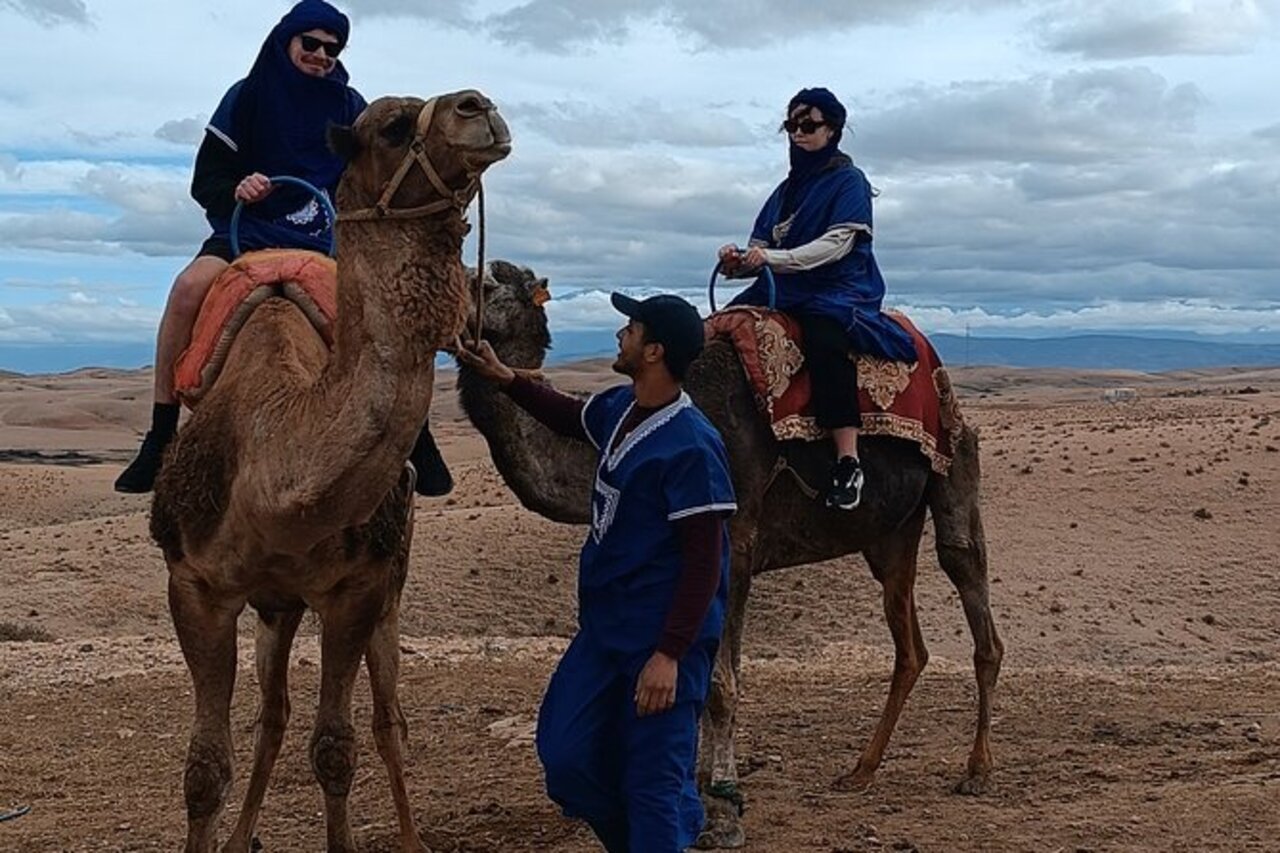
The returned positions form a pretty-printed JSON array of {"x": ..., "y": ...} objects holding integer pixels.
[
  {"x": 700, "y": 546},
  {"x": 558, "y": 411}
]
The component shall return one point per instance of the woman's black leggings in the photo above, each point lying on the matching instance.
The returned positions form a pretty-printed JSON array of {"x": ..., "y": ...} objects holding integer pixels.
[{"x": 832, "y": 374}]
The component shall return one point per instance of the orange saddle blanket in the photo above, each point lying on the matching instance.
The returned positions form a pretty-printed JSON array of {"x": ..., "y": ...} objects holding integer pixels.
[
  {"x": 913, "y": 400},
  {"x": 306, "y": 278}
]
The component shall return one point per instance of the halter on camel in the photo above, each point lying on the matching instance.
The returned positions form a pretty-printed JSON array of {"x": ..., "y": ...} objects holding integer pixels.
[{"x": 450, "y": 199}]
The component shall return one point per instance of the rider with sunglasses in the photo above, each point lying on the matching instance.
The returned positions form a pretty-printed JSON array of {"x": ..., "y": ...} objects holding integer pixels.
[
  {"x": 273, "y": 122},
  {"x": 814, "y": 233}
]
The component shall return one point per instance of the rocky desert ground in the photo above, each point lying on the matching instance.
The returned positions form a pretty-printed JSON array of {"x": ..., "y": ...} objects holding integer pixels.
[{"x": 1136, "y": 584}]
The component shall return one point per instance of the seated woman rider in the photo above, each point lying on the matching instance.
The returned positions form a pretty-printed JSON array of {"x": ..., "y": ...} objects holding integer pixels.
[{"x": 814, "y": 232}]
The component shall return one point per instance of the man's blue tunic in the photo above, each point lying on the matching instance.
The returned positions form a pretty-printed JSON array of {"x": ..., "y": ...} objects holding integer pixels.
[{"x": 632, "y": 777}]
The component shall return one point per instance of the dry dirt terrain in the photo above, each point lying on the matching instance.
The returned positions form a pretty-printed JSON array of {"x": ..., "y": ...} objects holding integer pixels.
[{"x": 1135, "y": 581}]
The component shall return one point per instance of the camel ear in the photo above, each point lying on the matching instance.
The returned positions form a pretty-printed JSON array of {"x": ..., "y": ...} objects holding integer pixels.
[{"x": 342, "y": 141}]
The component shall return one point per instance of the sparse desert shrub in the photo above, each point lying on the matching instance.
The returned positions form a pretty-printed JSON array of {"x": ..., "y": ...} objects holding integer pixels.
[{"x": 11, "y": 632}]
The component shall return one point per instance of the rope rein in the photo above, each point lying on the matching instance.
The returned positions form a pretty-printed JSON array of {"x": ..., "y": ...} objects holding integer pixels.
[{"x": 480, "y": 270}]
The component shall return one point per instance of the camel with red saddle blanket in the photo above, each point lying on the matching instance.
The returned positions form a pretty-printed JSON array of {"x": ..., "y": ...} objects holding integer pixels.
[
  {"x": 288, "y": 487},
  {"x": 918, "y": 454}
]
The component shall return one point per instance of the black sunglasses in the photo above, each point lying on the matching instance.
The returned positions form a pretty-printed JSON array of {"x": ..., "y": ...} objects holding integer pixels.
[
  {"x": 804, "y": 125},
  {"x": 311, "y": 44}
]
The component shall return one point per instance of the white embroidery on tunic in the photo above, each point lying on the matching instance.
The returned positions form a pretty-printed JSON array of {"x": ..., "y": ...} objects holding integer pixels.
[{"x": 604, "y": 506}]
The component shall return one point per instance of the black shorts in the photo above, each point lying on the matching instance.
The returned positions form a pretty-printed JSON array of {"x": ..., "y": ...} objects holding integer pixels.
[{"x": 218, "y": 247}]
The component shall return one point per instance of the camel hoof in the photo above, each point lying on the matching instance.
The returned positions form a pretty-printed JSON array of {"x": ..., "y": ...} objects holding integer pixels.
[
  {"x": 973, "y": 785},
  {"x": 856, "y": 781},
  {"x": 723, "y": 826},
  {"x": 721, "y": 838}
]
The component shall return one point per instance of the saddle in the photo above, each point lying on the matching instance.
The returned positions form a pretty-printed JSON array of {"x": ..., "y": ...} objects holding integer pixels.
[
  {"x": 308, "y": 279},
  {"x": 908, "y": 400}
]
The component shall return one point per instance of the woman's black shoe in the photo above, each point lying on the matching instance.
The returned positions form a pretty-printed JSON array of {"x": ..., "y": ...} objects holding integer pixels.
[
  {"x": 140, "y": 476},
  {"x": 434, "y": 479},
  {"x": 846, "y": 484}
]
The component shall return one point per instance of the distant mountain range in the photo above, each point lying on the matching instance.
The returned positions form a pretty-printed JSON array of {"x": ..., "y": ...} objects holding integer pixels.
[{"x": 1094, "y": 352}]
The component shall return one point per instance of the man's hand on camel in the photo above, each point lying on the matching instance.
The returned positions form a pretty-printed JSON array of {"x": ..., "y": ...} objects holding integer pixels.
[
  {"x": 253, "y": 188},
  {"x": 481, "y": 358}
]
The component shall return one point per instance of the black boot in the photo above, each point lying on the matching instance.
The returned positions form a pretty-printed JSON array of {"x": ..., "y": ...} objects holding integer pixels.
[
  {"x": 434, "y": 478},
  {"x": 140, "y": 476},
  {"x": 846, "y": 484}
]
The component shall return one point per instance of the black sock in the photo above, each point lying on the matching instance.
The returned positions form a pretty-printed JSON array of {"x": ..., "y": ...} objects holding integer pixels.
[{"x": 164, "y": 420}]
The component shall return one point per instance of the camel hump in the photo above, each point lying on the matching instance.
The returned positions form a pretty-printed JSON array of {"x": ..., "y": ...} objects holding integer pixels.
[{"x": 306, "y": 278}]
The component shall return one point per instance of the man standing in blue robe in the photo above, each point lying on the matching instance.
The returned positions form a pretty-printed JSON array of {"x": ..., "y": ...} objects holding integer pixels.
[{"x": 618, "y": 727}]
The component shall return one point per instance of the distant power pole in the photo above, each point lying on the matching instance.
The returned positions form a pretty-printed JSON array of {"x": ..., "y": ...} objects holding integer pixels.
[{"x": 966, "y": 344}]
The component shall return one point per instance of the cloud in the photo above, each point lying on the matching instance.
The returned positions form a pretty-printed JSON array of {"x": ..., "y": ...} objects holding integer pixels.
[
  {"x": 1076, "y": 117},
  {"x": 584, "y": 125},
  {"x": 107, "y": 209},
  {"x": 1271, "y": 133},
  {"x": 78, "y": 319},
  {"x": 557, "y": 26},
  {"x": 50, "y": 13},
  {"x": 1103, "y": 29},
  {"x": 186, "y": 131},
  {"x": 453, "y": 12}
]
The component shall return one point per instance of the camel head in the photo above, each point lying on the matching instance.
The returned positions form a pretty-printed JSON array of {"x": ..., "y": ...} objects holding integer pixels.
[
  {"x": 515, "y": 322},
  {"x": 410, "y": 157}
]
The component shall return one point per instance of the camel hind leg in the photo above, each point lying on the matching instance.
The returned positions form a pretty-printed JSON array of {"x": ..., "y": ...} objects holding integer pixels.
[
  {"x": 717, "y": 761},
  {"x": 347, "y": 617},
  {"x": 274, "y": 639},
  {"x": 390, "y": 729},
  {"x": 962, "y": 552},
  {"x": 893, "y": 562}
]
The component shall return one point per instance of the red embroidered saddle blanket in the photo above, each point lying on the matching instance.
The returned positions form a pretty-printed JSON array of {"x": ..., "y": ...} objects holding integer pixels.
[
  {"x": 905, "y": 400},
  {"x": 307, "y": 278}
]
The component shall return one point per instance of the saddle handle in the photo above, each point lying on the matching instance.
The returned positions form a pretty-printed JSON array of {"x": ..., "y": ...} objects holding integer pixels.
[
  {"x": 764, "y": 271},
  {"x": 319, "y": 195}
]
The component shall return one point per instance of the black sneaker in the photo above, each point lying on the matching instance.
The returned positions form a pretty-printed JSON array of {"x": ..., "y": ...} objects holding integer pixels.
[
  {"x": 140, "y": 476},
  {"x": 846, "y": 484},
  {"x": 434, "y": 479}
]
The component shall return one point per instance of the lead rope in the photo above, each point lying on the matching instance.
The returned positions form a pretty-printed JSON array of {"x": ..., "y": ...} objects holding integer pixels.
[{"x": 479, "y": 297}]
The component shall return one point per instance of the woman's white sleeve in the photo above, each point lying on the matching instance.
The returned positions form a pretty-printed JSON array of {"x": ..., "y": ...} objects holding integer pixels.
[{"x": 829, "y": 248}]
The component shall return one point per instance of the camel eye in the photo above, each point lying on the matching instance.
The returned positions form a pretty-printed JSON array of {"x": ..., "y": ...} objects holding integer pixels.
[
  {"x": 470, "y": 106},
  {"x": 398, "y": 131}
]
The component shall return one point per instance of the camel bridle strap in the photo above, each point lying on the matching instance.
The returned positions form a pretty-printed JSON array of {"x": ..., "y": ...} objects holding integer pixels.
[{"x": 417, "y": 154}]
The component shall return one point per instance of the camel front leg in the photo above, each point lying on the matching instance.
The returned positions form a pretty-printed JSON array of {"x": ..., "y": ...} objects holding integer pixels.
[
  {"x": 893, "y": 562},
  {"x": 206, "y": 626},
  {"x": 717, "y": 760},
  {"x": 390, "y": 729},
  {"x": 275, "y": 633},
  {"x": 347, "y": 625}
]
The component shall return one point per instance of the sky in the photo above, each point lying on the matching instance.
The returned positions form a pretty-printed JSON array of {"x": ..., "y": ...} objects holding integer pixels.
[{"x": 1043, "y": 167}]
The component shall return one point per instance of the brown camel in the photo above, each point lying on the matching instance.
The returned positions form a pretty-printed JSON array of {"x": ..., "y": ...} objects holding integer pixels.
[
  {"x": 776, "y": 526},
  {"x": 288, "y": 487}
]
